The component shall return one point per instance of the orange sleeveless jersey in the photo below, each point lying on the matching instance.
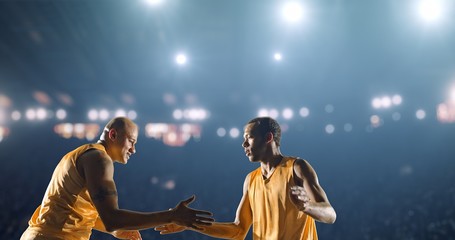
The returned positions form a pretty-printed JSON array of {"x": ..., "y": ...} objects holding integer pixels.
[
  {"x": 67, "y": 211},
  {"x": 274, "y": 214}
]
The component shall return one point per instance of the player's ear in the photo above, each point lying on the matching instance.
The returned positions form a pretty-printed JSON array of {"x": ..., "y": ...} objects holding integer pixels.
[
  {"x": 269, "y": 137},
  {"x": 112, "y": 134}
]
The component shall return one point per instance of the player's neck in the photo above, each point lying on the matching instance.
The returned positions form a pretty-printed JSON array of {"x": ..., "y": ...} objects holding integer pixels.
[{"x": 270, "y": 165}]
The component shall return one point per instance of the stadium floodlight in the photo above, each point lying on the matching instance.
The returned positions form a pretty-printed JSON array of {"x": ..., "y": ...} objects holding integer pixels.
[
  {"x": 277, "y": 56},
  {"x": 104, "y": 114},
  {"x": 386, "y": 102},
  {"x": 375, "y": 121},
  {"x": 16, "y": 115},
  {"x": 181, "y": 59},
  {"x": 234, "y": 132},
  {"x": 430, "y": 10},
  {"x": 376, "y": 103},
  {"x": 329, "y": 128},
  {"x": 120, "y": 113},
  {"x": 2, "y": 116},
  {"x": 41, "y": 113},
  {"x": 292, "y": 11},
  {"x": 154, "y": 2},
  {"x": 221, "y": 132},
  {"x": 30, "y": 114},
  {"x": 263, "y": 112},
  {"x": 132, "y": 114},
  {"x": 177, "y": 114},
  {"x": 93, "y": 115},
  {"x": 396, "y": 99},
  {"x": 452, "y": 95},
  {"x": 273, "y": 113},
  {"x": 304, "y": 112},
  {"x": 60, "y": 114},
  {"x": 420, "y": 114},
  {"x": 288, "y": 113}
]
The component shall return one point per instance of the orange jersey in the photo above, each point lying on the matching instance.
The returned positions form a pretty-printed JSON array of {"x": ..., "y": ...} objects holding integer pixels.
[
  {"x": 274, "y": 214},
  {"x": 67, "y": 211}
]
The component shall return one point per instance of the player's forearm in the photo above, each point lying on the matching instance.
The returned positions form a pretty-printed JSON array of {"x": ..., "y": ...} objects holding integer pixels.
[
  {"x": 322, "y": 212},
  {"x": 224, "y": 231},
  {"x": 129, "y": 220}
]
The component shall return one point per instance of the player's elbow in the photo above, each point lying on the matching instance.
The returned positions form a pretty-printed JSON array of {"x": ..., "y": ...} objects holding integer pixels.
[
  {"x": 241, "y": 230},
  {"x": 332, "y": 217},
  {"x": 112, "y": 226},
  {"x": 112, "y": 222}
]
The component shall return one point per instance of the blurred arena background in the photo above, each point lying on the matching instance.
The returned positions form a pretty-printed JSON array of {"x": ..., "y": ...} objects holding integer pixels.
[{"x": 364, "y": 90}]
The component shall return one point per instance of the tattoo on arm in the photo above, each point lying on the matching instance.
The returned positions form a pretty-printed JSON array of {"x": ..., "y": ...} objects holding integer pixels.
[{"x": 103, "y": 193}]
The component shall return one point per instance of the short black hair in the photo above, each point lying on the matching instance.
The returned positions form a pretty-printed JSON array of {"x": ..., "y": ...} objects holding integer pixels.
[{"x": 265, "y": 125}]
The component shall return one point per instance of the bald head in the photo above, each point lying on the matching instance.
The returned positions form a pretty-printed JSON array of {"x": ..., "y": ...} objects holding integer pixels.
[{"x": 120, "y": 124}]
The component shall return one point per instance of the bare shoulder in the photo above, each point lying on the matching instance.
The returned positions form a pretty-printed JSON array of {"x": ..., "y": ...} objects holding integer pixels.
[
  {"x": 95, "y": 156},
  {"x": 94, "y": 160},
  {"x": 303, "y": 169},
  {"x": 246, "y": 183}
]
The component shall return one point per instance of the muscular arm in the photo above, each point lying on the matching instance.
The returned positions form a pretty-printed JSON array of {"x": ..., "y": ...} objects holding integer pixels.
[
  {"x": 312, "y": 199},
  {"x": 98, "y": 170},
  {"x": 229, "y": 230},
  {"x": 243, "y": 219}
]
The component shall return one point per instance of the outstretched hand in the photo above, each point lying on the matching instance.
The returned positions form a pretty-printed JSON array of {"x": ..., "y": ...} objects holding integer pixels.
[
  {"x": 131, "y": 235},
  {"x": 189, "y": 217},
  {"x": 170, "y": 228}
]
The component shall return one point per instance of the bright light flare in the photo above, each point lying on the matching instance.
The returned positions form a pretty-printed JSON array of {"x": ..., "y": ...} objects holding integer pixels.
[
  {"x": 30, "y": 114},
  {"x": 132, "y": 115},
  {"x": 421, "y": 114},
  {"x": 375, "y": 121},
  {"x": 386, "y": 101},
  {"x": 154, "y": 2},
  {"x": 430, "y": 10},
  {"x": 16, "y": 115},
  {"x": 2, "y": 116},
  {"x": 181, "y": 59},
  {"x": 304, "y": 112},
  {"x": 60, "y": 114},
  {"x": 452, "y": 95},
  {"x": 263, "y": 112},
  {"x": 278, "y": 57},
  {"x": 92, "y": 115},
  {"x": 120, "y": 113},
  {"x": 41, "y": 113},
  {"x": 273, "y": 113},
  {"x": 292, "y": 11},
  {"x": 329, "y": 128},
  {"x": 396, "y": 99},
  {"x": 234, "y": 132},
  {"x": 288, "y": 113},
  {"x": 103, "y": 114},
  {"x": 221, "y": 132},
  {"x": 177, "y": 114}
]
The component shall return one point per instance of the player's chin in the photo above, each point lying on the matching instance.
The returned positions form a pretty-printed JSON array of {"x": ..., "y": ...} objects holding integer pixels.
[
  {"x": 252, "y": 159},
  {"x": 124, "y": 161}
]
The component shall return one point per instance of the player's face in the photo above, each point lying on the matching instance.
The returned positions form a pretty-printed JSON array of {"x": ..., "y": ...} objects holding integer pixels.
[
  {"x": 126, "y": 141},
  {"x": 254, "y": 143}
]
